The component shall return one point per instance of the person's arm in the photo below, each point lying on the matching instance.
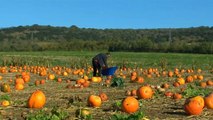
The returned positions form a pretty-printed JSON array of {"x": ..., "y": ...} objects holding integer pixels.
[
  {"x": 102, "y": 62},
  {"x": 105, "y": 61}
]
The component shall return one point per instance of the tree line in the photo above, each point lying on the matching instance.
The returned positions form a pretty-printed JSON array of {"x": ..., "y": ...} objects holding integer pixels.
[{"x": 46, "y": 38}]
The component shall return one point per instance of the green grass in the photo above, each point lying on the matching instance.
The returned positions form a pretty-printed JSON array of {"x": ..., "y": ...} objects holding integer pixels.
[{"x": 130, "y": 59}]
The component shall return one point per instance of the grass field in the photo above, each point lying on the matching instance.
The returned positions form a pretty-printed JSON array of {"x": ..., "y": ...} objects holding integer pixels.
[{"x": 130, "y": 59}]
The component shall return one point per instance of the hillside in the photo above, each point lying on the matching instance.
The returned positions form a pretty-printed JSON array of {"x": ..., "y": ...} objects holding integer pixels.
[{"x": 43, "y": 38}]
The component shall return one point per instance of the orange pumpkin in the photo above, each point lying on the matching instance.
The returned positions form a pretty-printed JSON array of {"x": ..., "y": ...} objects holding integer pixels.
[
  {"x": 200, "y": 99},
  {"x": 19, "y": 86},
  {"x": 80, "y": 81},
  {"x": 209, "y": 82},
  {"x": 130, "y": 104},
  {"x": 85, "y": 77},
  {"x": 134, "y": 92},
  {"x": 176, "y": 84},
  {"x": 165, "y": 86},
  {"x": 37, "y": 82},
  {"x": 209, "y": 101},
  {"x": 103, "y": 96},
  {"x": 200, "y": 77},
  {"x": 5, "y": 103},
  {"x": 96, "y": 79},
  {"x": 86, "y": 83},
  {"x": 51, "y": 76},
  {"x": 168, "y": 94},
  {"x": 193, "y": 107},
  {"x": 170, "y": 74},
  {"x": 19, "y": 80},
  {"x": 144, "y": 92},
  {"x": 37, "y": 99},
  {"x": 177, "y": 96},
  {"x": 189, "y": 79},
  {"x": 134, "y": 73},
  {"x": 133, "y": 78},
  {"x": 181, "y": 81},
  {"x": 42, "y": 81},
  {"x": 94, "y": 101},
  {"x": 26, "y": 77},
  {"x": 203, "y": 84},
  {"x": 140, "y": 79},
  {"x": 65, "y": 73},
  {"x": 59, "y": 80}
]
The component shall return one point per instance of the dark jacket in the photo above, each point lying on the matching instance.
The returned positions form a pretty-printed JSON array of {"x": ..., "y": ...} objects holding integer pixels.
[{"x": 101, "y": 58}]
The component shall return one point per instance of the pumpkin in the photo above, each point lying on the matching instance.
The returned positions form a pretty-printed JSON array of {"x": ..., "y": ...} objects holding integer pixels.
[
  {"x": 140, "y": 79},
  {"x": 170, "y": 74},
  {"x": 193, "y": 107},
  {"x": 42, "y": 81},
  {"x": 144, "y": 92},
  {"x": 65, "y": 73},
  {"x": 134, "y": 73},
  {"x": 103, "y": 96},
  {"x": 86, "y": 83},
  {"x": 203, "y": 84},
  {"x": 177, "y": 96},
  {"x": 194, "y": 77},
  {"x": 189, "y": 79},
  {"x": 5, "y": 103},
  {"x": 94, "y": 101},
  {"x": 96, "y": 79},
  {"x": 168, "y": 94},
  {"x": 19, "y": 80},
  {"x": 37, "y": 99},
  {"x": 19, "y": 86},
  {"x": 51, "y": 76},
  {"x": 37, "y": 82},
  {"x": 209, "y": 101},
  {"x": 133, "y": 78},
  {"x": 176, "y": 84},
  {"x": 59, "y": 80},
  {"x": 200, "y": 99},
  {"x": 165, "y": 86},
  {"x": 85, "y": 77},
  {"x": 5, "y": 87},
  {"x": 130, "y": 104},
  {"x": 80, "y": 81},
  {"x": 209, "y": 82},
  {"x": 134, "y": 92},
  {"x": 26, "y": 77},
  {"x": 181, "y": 81},
  {"x": 200, "y": 77}
]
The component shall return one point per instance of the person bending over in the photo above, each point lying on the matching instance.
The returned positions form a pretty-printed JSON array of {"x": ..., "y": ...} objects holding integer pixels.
[{"x": 99, "y": 62}]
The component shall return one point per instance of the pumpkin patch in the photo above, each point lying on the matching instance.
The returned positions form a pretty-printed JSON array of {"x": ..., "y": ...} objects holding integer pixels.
[{"x": 159, "y": 90}]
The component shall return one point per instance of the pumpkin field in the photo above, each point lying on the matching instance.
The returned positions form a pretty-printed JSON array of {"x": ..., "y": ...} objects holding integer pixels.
[{"x": 147, "y": 86}]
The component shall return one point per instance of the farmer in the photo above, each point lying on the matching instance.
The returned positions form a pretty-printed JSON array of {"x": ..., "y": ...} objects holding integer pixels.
[{"x": 99, "y": 62}]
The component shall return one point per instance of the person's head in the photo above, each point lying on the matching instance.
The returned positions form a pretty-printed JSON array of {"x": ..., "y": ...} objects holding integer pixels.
[{"x": 108, "y": 54}]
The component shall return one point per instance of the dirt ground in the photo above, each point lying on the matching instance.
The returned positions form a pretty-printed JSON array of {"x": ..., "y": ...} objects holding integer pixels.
[{"x": 159, "y": 107}]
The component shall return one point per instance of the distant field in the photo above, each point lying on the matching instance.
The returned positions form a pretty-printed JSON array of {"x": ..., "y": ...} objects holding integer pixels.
[{"x": 130, "y": 59}]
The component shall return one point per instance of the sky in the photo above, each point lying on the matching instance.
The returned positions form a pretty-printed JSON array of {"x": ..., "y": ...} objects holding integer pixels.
[{"x": 102, "y": 14}]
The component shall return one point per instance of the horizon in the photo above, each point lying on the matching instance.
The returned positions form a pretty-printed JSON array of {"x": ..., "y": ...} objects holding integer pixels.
[
  {"x": 107, "y": 14},
  {"x": 104, "y": 28}
]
